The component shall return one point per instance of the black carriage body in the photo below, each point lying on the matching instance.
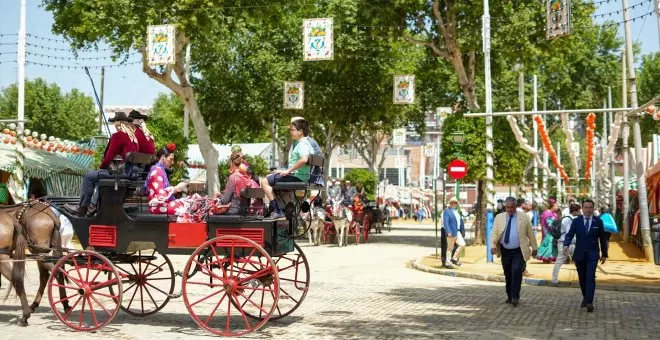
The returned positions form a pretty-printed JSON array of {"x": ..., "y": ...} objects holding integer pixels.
[{"x": 127, "y": 228}]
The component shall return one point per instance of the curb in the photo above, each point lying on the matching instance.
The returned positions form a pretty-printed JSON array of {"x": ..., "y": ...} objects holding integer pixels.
[{"x": 530, "y": 281}]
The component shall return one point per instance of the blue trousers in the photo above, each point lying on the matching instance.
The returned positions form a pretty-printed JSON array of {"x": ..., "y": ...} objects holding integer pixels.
[
  {"x": 587, "y": 274},
  {"x": 90, "y": 181},
  {"x": 512, "y": 264}
]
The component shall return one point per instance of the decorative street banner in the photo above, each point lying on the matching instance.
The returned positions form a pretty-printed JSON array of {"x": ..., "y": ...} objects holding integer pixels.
[
  {"x": 404, "y": 89},
  {"x": 160, "y": 46},
  {"x": 557, "y": 18},
  {"x": 399, "y": 137},
  {"x": 294, "y": 95},
  {"x": 318, "y": 39},
  {"x": 429, "y": 150}
]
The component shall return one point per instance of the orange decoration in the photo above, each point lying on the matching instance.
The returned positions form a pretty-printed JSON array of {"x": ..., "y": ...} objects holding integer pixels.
[
  {"x": 13, "y": 141},
  {"x": 5, "y": 131},
  {"x": 12, "y": 133},
  {"x": 5, "y": 140},
  {"x": 547, "y": 144},
  {"x": 591, "y": 127}
]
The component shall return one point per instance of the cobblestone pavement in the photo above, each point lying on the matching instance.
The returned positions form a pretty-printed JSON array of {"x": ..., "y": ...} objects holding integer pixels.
[{"x": 368, "y": 292}]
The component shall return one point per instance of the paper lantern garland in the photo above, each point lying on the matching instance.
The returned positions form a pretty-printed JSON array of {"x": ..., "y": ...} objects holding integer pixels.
[{"x": 591, "y": 127}]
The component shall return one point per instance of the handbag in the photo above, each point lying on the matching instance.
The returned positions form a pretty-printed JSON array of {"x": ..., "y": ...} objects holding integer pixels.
[{"x": 609, "y": 224}]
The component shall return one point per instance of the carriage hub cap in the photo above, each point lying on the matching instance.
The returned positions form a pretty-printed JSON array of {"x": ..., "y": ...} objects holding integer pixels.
[{"x": 230, "y": 286}]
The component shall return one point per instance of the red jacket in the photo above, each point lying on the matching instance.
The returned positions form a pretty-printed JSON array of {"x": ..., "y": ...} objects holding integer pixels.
[
  {"x": 120, "y": 144},
  {"x": 145, "y": 145}
]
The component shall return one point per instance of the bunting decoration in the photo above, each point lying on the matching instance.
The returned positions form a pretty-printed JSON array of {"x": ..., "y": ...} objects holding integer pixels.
[
  {"x": 547, "y": 144},
  {"x": 404, "y": 89},
  {"x": 160, "y": 46},
  {"x": 568, "y": 132},
  {"x": 591, "y": 128},
  {"x": 318, "y": 39},
  {"x": 294, "y": 95}
]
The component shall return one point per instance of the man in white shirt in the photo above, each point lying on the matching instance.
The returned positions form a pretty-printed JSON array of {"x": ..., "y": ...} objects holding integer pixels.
[
  {"x": 575, "y": 211},
  {"x": 567, "y": 210}
]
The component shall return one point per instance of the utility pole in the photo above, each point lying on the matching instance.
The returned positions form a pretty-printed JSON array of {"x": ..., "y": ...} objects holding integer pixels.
[
  {"x": 535, "y": 187},
  {"x": 22, "y": 41},
  {"x": 612, "y": 168},
  {"x": 521, "y": 104},
  {"x": 489, "y": 129},
  {"x": 186, "y": 114},
  {"x": 626, "y": 151},
  {"x": 559, "y": 193},
  {"x": 640, "y": 166},
  {"x": 102, "y": 93},
  {"x": 545, "y": 193}
]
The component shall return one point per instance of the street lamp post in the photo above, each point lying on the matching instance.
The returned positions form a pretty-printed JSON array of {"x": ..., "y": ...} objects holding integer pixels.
[{"x": 458, "y": 138}]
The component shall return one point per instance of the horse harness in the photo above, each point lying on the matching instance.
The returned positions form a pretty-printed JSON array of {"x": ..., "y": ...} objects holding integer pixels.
[{"x": 22, "y": 220}]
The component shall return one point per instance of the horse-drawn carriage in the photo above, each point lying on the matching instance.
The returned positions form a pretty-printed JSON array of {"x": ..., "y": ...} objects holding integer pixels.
[
  {"x": 354, "y": 220},
  {"x": 241, "y": 271}
]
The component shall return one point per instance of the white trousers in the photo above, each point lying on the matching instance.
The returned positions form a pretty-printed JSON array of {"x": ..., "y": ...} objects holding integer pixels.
[
  {"x": 561, "y": 259},
  {"x": 458, "y": 239}
]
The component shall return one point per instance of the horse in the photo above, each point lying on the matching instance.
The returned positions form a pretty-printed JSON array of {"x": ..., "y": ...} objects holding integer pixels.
[
  {"x": 341, "y": 218},
  {"x": 34, "y": 226},
  {"x": 316, "y": 225},
  {"x": 377, "y": 220}
]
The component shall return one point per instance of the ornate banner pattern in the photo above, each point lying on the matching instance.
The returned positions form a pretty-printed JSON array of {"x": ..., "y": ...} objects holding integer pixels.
[
  {"x": 160, "y": 46},
  {"x": 557, "y": 18},
  {"x": 404, "y": 89},
  {"x": 294, "y": 95},
  {"x": 318, "y": 39},
  {"x": 399, "y": 137}
]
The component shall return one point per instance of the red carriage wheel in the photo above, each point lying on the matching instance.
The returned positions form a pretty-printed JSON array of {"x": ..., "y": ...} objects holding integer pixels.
[
  {"x": 222, "y": 293},
  {"x": 148, "y": 280},
  {"x": 85, "y": 301},
  {"x": 366, "y": 225},
  {"x": 293, "y": 271}
]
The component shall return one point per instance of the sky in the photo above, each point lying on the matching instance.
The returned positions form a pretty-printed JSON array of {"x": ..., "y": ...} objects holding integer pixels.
[{"x": 128, "y": 85}]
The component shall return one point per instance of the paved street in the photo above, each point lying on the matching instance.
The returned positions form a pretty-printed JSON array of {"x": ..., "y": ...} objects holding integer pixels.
[{"x": 367, "y": 291}]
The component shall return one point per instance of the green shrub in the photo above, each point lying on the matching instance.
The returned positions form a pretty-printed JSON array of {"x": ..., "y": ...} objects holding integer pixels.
[{"x": 367, "y": 179}]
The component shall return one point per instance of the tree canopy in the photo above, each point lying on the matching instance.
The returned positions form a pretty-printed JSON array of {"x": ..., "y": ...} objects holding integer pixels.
[{"x": 71, "y": 115}]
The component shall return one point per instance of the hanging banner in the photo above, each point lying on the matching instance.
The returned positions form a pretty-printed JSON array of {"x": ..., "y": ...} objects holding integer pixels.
[
  {"x": 399, "y": 137},
  {"x": 318, "y": 39},
  {"x": 429, "y": 150},
  {"x": 294, "y": 95},
  {"x": 557, "y": 18},
  {"x": 160, "y": 47},
  {"x": 404, "y": 89}
]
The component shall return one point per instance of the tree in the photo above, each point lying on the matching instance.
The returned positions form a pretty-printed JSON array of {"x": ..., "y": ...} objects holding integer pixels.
[
  {"x": 165, "y": 124},
  {"x": 68, "y": 116},
  {"x": 648, "y": 87},
  {"x": 85, "y": 23},
  {"x": 368, "y": 180}
]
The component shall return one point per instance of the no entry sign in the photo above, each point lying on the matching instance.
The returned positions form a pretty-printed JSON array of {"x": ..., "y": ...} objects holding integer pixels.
[{"x": 457, "y": 169}]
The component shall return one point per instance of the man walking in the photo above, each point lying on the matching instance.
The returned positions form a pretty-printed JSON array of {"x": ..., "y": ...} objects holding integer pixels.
[
  {"x": 589, "y": 231},
  {"x": 453, "y": 223},
  {"x": 566, "y": 221},
  {"x": 512, "y": 238}
]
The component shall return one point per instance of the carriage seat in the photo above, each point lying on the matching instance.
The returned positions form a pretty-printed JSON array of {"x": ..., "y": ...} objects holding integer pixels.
[
  {"x": 142, "y": 161},
  {"x": 314, "y": 161}
]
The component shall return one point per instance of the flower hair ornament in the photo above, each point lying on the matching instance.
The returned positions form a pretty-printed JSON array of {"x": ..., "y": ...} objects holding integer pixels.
[{"x": 171, "y": 147}]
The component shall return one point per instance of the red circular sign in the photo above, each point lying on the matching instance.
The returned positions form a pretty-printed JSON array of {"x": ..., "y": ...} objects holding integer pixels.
[{"x": 457, "y": 169}]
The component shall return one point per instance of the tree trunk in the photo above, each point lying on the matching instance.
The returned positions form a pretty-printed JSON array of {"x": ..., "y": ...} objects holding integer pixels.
[
  {"x": 209, "y": 153},
  {"x": 480, "y": 218}
]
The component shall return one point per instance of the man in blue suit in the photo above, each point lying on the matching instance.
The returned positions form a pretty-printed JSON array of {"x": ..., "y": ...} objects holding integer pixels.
[{"x": 589, "y": 231}]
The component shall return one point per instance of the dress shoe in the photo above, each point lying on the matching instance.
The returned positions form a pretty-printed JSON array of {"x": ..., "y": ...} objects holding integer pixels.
[
  {"x": 76, "y": 210},
  {"x": 508, "y": 301},
  {"x": 583, "y": 304},
  {"x": 514, "y": 302},
  {"x": 526, "y": 273},
  {"x": 456, "y": 263},
  {"x": 448, "y": 266},
  {"x": 590, "y": 308}
]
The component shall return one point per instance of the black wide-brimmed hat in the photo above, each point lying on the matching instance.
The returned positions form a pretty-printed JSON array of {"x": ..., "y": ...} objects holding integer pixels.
[
  {"x": 137, "y": 115},
  {"x": 120, "y": 117}
]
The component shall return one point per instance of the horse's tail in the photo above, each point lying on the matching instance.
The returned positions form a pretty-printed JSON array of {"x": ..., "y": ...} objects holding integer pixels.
[
  {"x": 18, "y": 267},
  {"x": 56, "y": 242}
]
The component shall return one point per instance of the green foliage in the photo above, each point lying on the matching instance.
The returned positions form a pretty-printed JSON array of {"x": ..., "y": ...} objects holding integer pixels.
[
  {"x": 648, "y": 86},
  {"x": 166, "y": 125},
  {"x": 257, "y": 163},
  {"x": 367, "y": 178},
  {"x": 68, "y": 115}
]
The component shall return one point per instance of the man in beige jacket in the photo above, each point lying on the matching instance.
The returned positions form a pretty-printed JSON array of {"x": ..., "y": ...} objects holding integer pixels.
[{"x": 512, "y": 238}]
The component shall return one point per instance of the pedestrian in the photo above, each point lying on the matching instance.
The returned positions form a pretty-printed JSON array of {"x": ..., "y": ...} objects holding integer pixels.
[
  {"x": 567, "y": 210},
  {"x": 575, "y": 210},
  {"x": 512, "y": 238},
  {"x": 548, "y": 216},
  {"x": 548, "y": 250},
  {"x": 453, "y": 222},
  {"x": 589, "y": 231},
  {"x": 420, "y": 215}
]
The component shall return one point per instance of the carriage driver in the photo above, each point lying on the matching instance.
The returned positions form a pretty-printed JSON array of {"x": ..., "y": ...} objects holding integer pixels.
[{"x": 121, "y": 142}]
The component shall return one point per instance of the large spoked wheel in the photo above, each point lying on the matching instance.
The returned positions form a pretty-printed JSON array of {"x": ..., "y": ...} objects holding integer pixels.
[
  {"x": 293, "y": 271},
  {"x": 366, "y": 225},
  {"x": 86, "y": 302},
  {"x": 221, "y": 296},
  {"x": 148, "y": 278}
]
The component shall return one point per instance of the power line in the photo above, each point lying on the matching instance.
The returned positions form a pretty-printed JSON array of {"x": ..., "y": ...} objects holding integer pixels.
[
  {"x": 82, "y": 66},
  {"x": 76, "y": 58},
  {"x": 621, "y": 10}
]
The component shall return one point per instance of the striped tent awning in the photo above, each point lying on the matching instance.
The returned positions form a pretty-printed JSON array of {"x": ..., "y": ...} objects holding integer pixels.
[{"x": 39, "y": 164}]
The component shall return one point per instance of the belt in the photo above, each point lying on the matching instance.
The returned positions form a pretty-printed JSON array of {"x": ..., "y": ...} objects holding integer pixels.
[{"x": 506, "y": 250}]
